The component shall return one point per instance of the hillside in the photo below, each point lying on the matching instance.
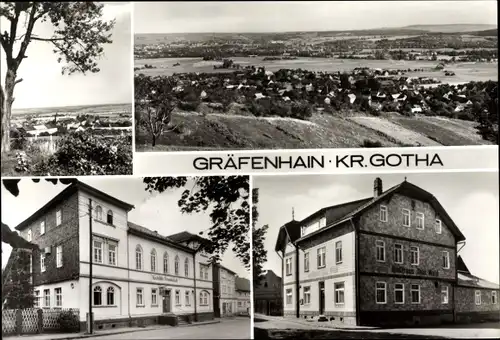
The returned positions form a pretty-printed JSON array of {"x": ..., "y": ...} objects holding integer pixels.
[
  {"x": 451, "y": 28},
  {"x": 222, "y": 131},
  {"x": 486, "y": 33}
]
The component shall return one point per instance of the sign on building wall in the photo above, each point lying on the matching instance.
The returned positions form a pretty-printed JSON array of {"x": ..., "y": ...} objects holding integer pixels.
[
  {"x": 414, "y": 271},
  {"x": 164, "y": 278}
]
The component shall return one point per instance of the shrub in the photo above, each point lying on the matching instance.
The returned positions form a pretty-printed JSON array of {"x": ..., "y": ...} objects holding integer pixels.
[
  {"x": 371, "y": 144},
  {"x": 301, "y": 110},
  {"x": 188, "y": 106},
  {"x": 68, "y": 321}
]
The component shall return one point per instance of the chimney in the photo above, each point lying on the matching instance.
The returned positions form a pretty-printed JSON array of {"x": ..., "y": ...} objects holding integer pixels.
[{"x": 377, "y": 187}]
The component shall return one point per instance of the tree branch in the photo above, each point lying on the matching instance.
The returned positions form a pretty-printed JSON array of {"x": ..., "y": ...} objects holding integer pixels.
[
  {"x": 27, "y": 37},
  {"x": 46, "y": 39}
]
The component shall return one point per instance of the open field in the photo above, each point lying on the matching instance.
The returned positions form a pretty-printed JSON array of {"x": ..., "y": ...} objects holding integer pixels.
[
  {"x": 219, "y": 131},
  {"x": 464, "y": 72},
  {"x": 104, "y": 109}
]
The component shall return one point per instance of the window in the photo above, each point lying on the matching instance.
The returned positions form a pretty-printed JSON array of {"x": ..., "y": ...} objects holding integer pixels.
[
  {"x": 444, "y": 294},
  {"x": 177, "y": 297},
  {"x": 321, "y": 252},
  {"x": 138, "y": 258},
  {"x": 176, "y": 267},
  {"x": 112, "y": 253},
  {"x": 58, "y": 217},
  {"x": 98, "y": 213},
  {"x": 153, "y": 260},
  {"x": 306, "y": 262},
  {"x": 322, "y": 222},
  {"x": 288, "y": 296},
  {"x": 28, "y": 237},
  {"x": 186, "y": 267},
  {"x": 339, "y": 292},
  {"x": 383, "y": 213},
  {"x": 478, "y": 297},
  {"x": 288, "y": 266},
  {"x": 399, "y": 293},
  {"x": 206, "y": 273},
  {"x": 46, "y": 297},
  {"x": 97, "y": 251},
  {"x": 307, "y": 294},
  {"x": 398, "y": 253},
  {"x": 109, "y": 217},
  {"x": 42, "y": 262},
  {"x": 415, "y": 293},
  {"x": 58, "y": 294},
  {"x": 406, "y": 218},
  {"x": 37, "y": 299},
  {"x": 31, "y": 265},
  {"x": 380, "y": 247},
  {"x": 97, "y": 296},
  {"x": 165, "y": 263},
  {"x": 139, "y": 296},
  {"x": 186, "y": 297},
  {"x": 438, "y": 226},
  {"x": 446, "y": 260},
  {"x": 414, "y": 256},
  {"x": 202, "y": 271},
  {"x": 380, "y": 293},
  {"x": 494, "y": 297},
  {"x": 110, "y": 296},
  {"x": 240, "y": 304},
  {"x": 338, "y": 252},
  {"x": 42, "y": 227},
  {"x": 59, "y": 258},
  {"x": 204, "y": 298},
  {"x": 420, "y": 221},
  {"x": 154, "y": 297}
]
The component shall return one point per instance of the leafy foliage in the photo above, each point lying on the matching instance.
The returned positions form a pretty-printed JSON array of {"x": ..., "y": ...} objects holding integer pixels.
[
  {"x": 82, "y": 153},
  {"x": 17, "y": 291},
  {"x": 259, "y": 253},
  {"x": 226, "y": 198},
  {"x": 154, "y": 103},
  {"x": 68, "y": 321}
]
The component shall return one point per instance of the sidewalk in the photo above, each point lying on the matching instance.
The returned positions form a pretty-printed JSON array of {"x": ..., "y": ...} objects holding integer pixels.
[
  {"x": 98, "y": 333},
  {"x": 310, "y": 323}
]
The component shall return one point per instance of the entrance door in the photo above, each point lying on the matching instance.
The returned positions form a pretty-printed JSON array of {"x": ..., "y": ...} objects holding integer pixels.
[
  {"x": 166, "y": 302},
  {"x": 224, "y": 310},
  {"x": 321, "y": 297}
]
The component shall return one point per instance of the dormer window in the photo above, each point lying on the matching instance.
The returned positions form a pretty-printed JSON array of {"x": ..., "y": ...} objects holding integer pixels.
[
  {"x": 98, "y": 213},
  {"x": 383, "y": 213},
  {"x": 438, "y": 226}
]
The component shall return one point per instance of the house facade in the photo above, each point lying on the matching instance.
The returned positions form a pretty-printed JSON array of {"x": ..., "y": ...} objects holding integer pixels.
[
  {"x": 242, "y": 296},
  {"x": 389, "y": 259},
  {"x": 267, "y": 295},
  {"x": 137, "y": 274},
  {"x": 225, "y": 295}
]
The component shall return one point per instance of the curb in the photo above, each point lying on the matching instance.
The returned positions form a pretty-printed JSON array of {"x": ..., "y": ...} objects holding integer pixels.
[
  {"x": 83, "y": 336},
  {"x": 198, "y": 324}
]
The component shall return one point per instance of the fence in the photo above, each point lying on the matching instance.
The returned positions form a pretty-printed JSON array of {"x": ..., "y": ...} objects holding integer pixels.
[{"x": 33, "y": 320}]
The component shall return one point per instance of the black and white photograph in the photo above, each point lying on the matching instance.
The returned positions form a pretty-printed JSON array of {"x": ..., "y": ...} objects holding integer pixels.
[
  {"x": 308, "y": 75},
  {"x": 66, "y": 89},
  {"x": 126, "y": 258},
  {"x": 377, "y": 256}
]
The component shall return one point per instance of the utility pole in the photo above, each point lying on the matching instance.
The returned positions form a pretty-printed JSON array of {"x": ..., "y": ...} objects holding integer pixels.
[{"x": 90, "y": 318}]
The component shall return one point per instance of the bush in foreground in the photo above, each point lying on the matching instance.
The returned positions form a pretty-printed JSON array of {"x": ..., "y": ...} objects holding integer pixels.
[{"x": 85, "y": 154}]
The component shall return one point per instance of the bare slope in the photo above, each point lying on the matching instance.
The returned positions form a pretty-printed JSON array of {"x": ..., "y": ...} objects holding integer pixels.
[{"x": 220, "y": 131}]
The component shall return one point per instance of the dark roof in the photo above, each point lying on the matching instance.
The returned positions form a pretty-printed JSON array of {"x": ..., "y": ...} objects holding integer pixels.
[
  {"x": 185, "y": 236},
  {"x": 225, "y": 268},
  {"x": 242, "y": 284},
  {"x": 69, "y": 190},
  {"x": 343, "y": 212},
  {"x": 461, "y": 267},
  {"x": 141, "y": 231}
]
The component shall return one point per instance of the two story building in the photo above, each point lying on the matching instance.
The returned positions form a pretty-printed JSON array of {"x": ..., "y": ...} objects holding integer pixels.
[
  {"x": 137, "y": 274},
  {"x": 388, "y": 259},
  {"x": 267, "y": 294},
  {"x": 225, "y": 296},
  {"x": 242, "y": 296}
]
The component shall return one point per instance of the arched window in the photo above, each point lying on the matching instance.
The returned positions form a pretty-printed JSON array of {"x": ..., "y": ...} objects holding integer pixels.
[
  {"x": 97, "y": 296},
  {"x": 110, "y": 296},
  {"x": 98, "y": 213},
  {"x": 153, "y": 260},
  {"x": 165, "y": 263},
  {"x": 186, "y": 267},
  {"x": 204, "y": 298},
  {"x": 110, "y": 217},
  {"x": 138, "y": 258},
  {"x": 176, "y": 267}
]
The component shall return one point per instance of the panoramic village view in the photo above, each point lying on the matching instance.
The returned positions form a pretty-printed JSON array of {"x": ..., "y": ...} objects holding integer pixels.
[
  {"x": 72, "y": 124},
  {"x": 408, "y": 85}
]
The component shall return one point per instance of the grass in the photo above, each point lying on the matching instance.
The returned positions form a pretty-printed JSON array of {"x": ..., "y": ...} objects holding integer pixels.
[{"x": 260, "y": 333}]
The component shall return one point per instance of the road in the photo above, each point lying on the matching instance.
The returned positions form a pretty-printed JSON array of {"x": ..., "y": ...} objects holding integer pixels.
[{"x": 237, "y": 328}]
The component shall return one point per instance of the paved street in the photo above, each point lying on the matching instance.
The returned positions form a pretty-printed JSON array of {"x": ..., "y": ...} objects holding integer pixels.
[{"x": 236, "y": 328}]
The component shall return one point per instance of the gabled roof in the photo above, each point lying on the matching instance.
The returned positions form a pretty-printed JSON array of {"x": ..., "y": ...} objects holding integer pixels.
[
  {"x": 242, "y": 284},
  {"x": 343, "y": 212},
  {"x": 465, "y": 278},
  {"x": 461, "y": 267},
  {"x": 69, "y": 190}
]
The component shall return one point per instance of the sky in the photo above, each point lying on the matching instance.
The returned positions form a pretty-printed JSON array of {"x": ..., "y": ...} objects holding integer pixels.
[
  {"x": 156, "y": 211},
  {"x": 43, "y": 84},
  {"x": 471, "y": 199},
  {"x": 268, "y": 16}
]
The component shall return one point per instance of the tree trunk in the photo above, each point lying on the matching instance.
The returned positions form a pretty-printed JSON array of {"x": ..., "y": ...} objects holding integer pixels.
[
  {"x": 153, "y": 142},
  {"x": 6, "y": 99}
]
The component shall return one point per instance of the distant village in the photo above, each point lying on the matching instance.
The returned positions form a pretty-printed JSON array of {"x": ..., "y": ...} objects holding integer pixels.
[{"x": 260, "y": 92}]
